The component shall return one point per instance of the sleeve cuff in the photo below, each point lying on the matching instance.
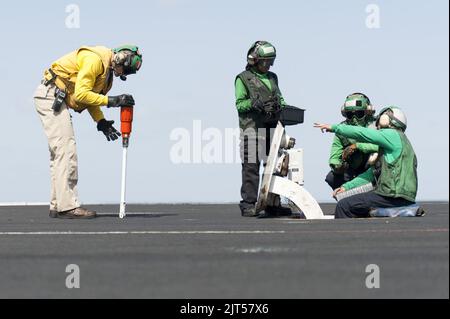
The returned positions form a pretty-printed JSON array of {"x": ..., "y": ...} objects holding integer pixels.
[
  {"x": 96, "y": 114},
  {"x": 105, "y": 101}
]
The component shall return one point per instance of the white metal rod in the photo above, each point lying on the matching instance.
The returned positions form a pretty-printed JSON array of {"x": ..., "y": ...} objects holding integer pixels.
[{"x": 122, "y": 213}]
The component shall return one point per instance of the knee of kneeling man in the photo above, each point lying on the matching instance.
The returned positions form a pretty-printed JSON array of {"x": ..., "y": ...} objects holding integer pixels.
[
  {"x": 330, "y": 177},
  {"x": 345, "y": 202}
]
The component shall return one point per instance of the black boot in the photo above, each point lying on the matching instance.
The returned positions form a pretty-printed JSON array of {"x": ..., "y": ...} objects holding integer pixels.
[
  {"x": 273, "y": 212},
  {"x": 248, "y": 210}
]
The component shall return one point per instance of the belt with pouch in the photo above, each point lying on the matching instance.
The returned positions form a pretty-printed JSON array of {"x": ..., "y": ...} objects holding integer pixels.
[
  {"x": 52, "y": 80},
  {"x": 60, "y": 95}
]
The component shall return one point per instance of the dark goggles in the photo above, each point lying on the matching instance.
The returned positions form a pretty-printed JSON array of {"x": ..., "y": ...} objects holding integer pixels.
[
  {"x": 127, "y": 70},
  {"x": 266, "y": 62},
  {"x": 358, "y": 114}
]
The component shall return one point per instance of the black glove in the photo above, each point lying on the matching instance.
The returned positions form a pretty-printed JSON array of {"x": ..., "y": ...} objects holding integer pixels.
[
  {"x": 110, "y": 132},
  {"x": 121, "y": 100},
  {"x": 258, "y": 106},
  {"x": 273, "y": 105},
  {"x": 348, "y": 152}
]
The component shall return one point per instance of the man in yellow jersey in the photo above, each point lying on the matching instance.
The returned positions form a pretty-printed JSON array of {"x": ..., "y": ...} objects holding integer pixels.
[{"x": 79, "y": 81}]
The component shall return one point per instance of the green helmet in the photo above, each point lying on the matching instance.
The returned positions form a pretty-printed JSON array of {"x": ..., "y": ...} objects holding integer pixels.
[
  {"x": 129, "y": 57},
  {"x": 261, "y": 50},
  {"x": 357, "y": 108}
]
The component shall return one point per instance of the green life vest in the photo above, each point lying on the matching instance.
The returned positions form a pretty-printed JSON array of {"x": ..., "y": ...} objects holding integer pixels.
[
  {"x": 398, "y": 179},
  {"x": 257, "y": 90}
]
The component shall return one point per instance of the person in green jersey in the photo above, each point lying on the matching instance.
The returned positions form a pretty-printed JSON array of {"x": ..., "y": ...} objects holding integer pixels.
[
  {"x": 349, "y": 158},
  {"x": 395, "y": 172},
  {"x": 258, "y": 99}
]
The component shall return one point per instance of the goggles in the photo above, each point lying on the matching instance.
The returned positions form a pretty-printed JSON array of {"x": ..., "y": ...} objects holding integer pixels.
[
  {"x": 132, "y": 69},
  {"x": 358, "y": 114},
  {"x": 266, "y": 62}
]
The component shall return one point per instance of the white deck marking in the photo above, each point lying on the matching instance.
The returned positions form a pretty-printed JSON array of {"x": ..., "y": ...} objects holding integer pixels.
[
  {"x": 18, "y": 204},
  {"x": 258, "y": 250},
  {"x": 145, "y": 232}
]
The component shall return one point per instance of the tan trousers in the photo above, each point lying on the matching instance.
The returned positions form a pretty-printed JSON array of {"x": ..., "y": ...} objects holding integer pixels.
[{"x": 63, "y": 153}]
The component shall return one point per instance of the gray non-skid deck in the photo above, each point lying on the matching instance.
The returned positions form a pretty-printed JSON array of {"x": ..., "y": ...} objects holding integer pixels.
[{"x": 210, "y": 251}]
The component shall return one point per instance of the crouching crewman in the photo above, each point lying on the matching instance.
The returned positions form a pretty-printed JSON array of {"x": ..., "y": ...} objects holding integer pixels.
[
  {"x": 394, "y": 175},
  {"x": 349, "y": 158}
]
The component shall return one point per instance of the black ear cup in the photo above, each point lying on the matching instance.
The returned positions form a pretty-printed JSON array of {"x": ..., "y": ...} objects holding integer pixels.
[
  {"x": 251, "y": 58},
  {"x": 252, "y": 55},
  {"x": 128, "y": 59},
  {"x": 123, "y": 58}
]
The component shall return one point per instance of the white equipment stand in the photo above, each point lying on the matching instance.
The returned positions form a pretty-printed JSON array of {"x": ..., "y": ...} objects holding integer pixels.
[
  {"x": 283, "y": 176},
  {"x": 123, "y": 204}
]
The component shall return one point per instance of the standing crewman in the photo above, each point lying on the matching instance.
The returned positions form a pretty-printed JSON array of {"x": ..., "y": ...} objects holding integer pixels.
[
  {"x": 395, "y": 172},
  {"x": 258, "y": 100},
  {"x": 79, "y": 80},
  {"x": 349, "y": 158}
]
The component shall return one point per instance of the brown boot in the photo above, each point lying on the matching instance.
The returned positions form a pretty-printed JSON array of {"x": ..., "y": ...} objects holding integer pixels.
[
  {"x": 77, "y": 213},
  {"x": 53, "y": 214}
]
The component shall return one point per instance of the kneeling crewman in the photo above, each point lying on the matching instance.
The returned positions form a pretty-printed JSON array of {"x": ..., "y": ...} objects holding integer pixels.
[
  {"x": 395, "y": 172},
  {"x": 349, "y": 158}
]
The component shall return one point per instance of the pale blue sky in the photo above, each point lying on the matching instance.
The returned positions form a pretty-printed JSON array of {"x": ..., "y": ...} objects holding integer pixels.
[{"x": 193, "y": 50}]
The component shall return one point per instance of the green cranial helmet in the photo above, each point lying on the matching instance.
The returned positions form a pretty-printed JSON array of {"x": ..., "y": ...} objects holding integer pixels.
[
  {"x": 261, "y": 51},
  {"x": 129, "y": 57},
  {"x": 357, "y": 108}
]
